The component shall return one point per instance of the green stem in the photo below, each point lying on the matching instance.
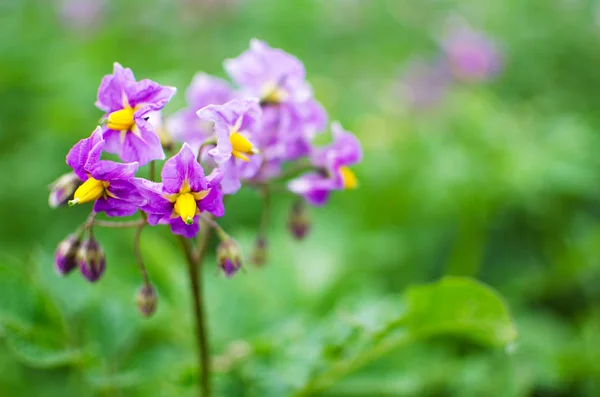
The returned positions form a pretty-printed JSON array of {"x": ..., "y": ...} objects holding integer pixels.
[
  {"x": 195, "y": 275},
  {"x": 223, "y": 235},
  {"x": 345, "y": 367},
  {"x": 119, "y": 225},
  {"x": 138, "y": 252}
]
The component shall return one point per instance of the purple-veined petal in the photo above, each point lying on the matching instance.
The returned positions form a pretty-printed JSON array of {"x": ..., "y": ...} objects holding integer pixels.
[
  {"x": 115, "y": 207},
  {"x": 106, "y": 170},
  {"x": 143, "y": 146},
  {"x": 112, "y": 88},
  {"x": 179, "y": 227},
  {"x": 183, "y": 167},
  {"x": 86, "y": 153},
  {"x": 149, "y": 95}
]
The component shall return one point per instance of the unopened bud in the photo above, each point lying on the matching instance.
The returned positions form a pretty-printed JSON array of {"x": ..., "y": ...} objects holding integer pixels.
[
  {"x": 61, "y": 190},
  {"x": 299, "y": 220},
  {"x": 229, "y": 255},
  {"x": 260, "y": 253},
  {"x": 146, "y": 300},
  {"x": 65, "y": 255},
  {"x": 90, "y": 259}
]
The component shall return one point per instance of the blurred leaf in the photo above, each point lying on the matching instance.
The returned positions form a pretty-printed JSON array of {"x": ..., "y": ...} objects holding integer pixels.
[
  {"x": 453, "y": 306},
  {"x": 40, "y": 348},
  {"x": 461, "y": 307}
]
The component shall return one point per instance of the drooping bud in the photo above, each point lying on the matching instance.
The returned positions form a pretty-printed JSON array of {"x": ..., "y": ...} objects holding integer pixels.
[
  {"x": 260, "y": 253},
  {"x": 299, "y": 220},
  {"x": 91, "y": 259},
  {"x": 65, "y": 255},
  {"x": 62, "y": 189},
  {"x": 146, "y": 300},
  {"x": 229, "y": 255}
]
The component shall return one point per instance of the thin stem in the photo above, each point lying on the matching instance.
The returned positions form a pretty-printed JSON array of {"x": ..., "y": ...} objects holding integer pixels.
[
  {"x": 266, "y": 213},
  {"x": 223, "y": 235},
  {"x": 138, "y": 252},
  {"x": 119, "y": 225},
  {"x": 195, "y": 276},
  {"x": 152, "y": 170},
  {"x": 206, "y": 143}
]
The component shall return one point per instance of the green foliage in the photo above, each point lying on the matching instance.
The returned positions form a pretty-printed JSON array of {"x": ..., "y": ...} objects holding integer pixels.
[
  {"x": 460, "y": 307},
  {"x": 498, "y": 182}
]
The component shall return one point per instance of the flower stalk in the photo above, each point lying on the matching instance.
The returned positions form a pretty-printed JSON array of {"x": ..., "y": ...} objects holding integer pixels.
[{"x": 194, "y": 263}]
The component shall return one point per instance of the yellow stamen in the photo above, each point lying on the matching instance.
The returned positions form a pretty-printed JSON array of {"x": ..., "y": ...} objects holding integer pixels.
[
  {"x": 271, "y": 93},
  {"x": 185, "y": 207},
  {"x": 241, "y": 147},
  {"x": 349, "y": 178},
  {"x": 122, "y": 120},
  {"x": 90, "y": 190}
]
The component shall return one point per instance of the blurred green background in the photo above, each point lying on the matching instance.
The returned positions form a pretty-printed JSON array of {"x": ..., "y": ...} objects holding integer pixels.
[{"x": 499, "y": 180}]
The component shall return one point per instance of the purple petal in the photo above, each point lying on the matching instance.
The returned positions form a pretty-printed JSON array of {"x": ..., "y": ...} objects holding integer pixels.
[
  {"x": 231, "y": 178},
  {"x": 112, "y": 88},
  {"x": 344, "y": 150},
  {"x": 143, "y": 147},
  {"x": 149, "y": 95},
  {"x": 183, "y": 167},
  {"x": 213, "y": 202},
  {"x": 86, "y": 153},
  {"x": 114, "y": 207},
  {"x": 153, "y": 193},
  {"x": 208, "y": 90},
  {"x": 179, "y": 227},
  {"x": 156, "y": 219},
  {"x": 261, "y": 65},
  {"x": 313, "y": 187},
  {"x": 106, "y": 170},
  {"x": 225, "y": 117}
]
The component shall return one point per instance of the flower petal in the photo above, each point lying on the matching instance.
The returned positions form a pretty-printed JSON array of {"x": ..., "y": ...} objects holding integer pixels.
[
  {"x": 85, "y": 154},
  {"x": 183, "y": 167},
  {"x": 112, "y": 87},
  {"x": 181, "y": 228}
]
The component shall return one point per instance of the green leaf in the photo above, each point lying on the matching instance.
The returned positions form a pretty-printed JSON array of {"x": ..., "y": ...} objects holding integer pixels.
[
  {"x": 40, "y": 348},
  {"x": 453, "y": 306},
  {"x": 461, "y": 307}
]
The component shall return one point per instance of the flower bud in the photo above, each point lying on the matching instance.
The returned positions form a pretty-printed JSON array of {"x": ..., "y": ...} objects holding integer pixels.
[
  {"x": 146, "y": 300},
  {"x": 64, "y": 257},
  {"x": 90, "y": 259},
  {"x": 61, "y": 190},
  {"x": 259, "y": 256},
  {"x": 229, "y": 255},
  {"x": 299, "y": 220}
]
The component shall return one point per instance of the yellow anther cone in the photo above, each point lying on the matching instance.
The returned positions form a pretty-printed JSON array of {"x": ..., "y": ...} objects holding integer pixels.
[
  {"x": 90, "y": 190},
  {"x": 185, "y": 207}
]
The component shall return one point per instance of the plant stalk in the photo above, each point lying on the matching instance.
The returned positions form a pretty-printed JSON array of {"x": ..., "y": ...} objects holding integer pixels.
[{"x": 194, "y": 263}]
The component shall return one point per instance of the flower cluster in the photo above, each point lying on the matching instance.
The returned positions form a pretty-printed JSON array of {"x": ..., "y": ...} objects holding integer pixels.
[{"x": 256, "y": 131}]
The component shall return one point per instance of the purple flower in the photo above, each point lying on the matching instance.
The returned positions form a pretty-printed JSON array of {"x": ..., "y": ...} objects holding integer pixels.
[
  {"x": 332, "y": 171},
  {"x": 127, "y": 104},
  {"x": 182, "y": 195},
  {"x": 203, "y": 91},
  {"x": 235, "y": 124},
  {"x": 472, "y": 56},
  {"x": 105, "y": 182},
  {"x": 292, "y": 116}
]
